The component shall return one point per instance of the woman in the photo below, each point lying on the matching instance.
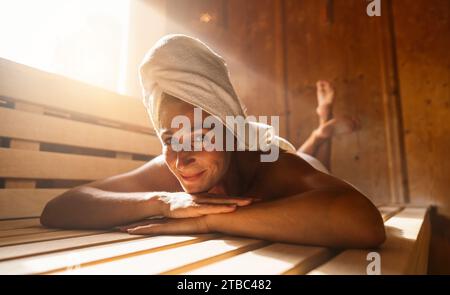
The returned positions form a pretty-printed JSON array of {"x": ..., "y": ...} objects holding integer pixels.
[{"x": 202, "y": 191}]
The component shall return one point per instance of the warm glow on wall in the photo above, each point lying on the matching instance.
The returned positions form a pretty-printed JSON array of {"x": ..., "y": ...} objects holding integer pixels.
[{"x": 81, "y": 39}]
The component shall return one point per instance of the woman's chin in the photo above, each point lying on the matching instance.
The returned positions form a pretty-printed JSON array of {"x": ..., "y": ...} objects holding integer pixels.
[
  {"x": 195, "y": 188},
  {"x": 196, "y": 192},
  {"x": 192, "y": 188}
]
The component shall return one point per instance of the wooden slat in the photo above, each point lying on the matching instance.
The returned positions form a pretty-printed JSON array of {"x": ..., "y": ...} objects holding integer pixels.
[
  {"x": 20, "y": 184},
  {"x": 25, "y": 145},
  {"x": 28, "y": 84},
  {"x": 26, "y": 231},
  {"x": 271, "y": 260},
  {"x": 44, "y": 128},
  {"x": 29, "y": 164},
  {"x": 60, "y": 261},
  {"x": 163, "y": 261},
  {"x": 389, "y": 211},
  {"x": 15, "y": 203},
  {"x": 217, "y": 258},
  {"x": 18, "y": 240},
  {"x": 396, "y": 253},
  {"x": 120, "y": 155},
  {"x": 279, "y": 258},
  {"x": 395, "y": 152},
  {"x": 420, "y": 265},
  {"x": 39, "y": 248},
  {"x": 18, "y": 223},
  {"x": 282, "y": 258}
]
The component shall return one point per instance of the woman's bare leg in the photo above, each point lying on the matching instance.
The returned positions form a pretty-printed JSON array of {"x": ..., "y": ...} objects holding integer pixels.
[{"x": 318, "y": 143}]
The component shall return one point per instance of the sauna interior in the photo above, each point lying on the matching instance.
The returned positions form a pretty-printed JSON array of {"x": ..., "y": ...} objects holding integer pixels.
[{"x": 389, "y": 69}]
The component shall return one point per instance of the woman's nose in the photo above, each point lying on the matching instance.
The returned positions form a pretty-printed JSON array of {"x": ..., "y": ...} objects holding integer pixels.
[{"x": 184, "y": 159}]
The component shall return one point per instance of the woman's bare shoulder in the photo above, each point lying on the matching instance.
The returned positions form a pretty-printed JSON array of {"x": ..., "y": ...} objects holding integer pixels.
[
  {"x": 291, "y": 175},
  {"x": 288, "y": 164},
  {"x": 282, "y": 177},
  {"x": 157, "y": 175},
  {"x": 154, "y": 175}
]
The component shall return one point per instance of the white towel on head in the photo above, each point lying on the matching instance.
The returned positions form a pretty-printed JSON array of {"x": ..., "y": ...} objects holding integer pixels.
[{"x": 188, "y": 69}]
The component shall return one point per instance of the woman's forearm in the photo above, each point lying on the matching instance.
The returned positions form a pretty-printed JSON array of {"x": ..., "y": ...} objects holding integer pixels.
[
  {"x": 87, "y": 207},
  {"x": 321, "y": 217}
]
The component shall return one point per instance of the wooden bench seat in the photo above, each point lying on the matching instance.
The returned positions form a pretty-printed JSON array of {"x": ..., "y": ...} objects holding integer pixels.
[
  {"x": 97, "y": 252},
  {"x": 56, "y": 133}
]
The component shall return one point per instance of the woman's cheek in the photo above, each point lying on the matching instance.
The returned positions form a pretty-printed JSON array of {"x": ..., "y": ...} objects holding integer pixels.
[
  {"x": 217, "y": 163},
  {"x": 169, "y": 156}
]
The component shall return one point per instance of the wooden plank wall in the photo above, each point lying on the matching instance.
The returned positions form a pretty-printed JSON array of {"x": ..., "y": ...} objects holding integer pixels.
[
  {"x": 423, "y": 45},
  {"x": 322, "y": 43},
  {"x": 390, "y": 71},
  {"x": 276, "y": 51}
]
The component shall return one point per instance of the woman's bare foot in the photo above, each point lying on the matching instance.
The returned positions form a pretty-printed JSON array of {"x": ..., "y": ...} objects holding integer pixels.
[
  {"x": 337, "y": 126},
  {"x": 325, "y": 96}
]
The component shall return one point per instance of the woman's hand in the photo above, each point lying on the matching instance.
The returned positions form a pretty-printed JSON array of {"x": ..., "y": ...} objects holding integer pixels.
[
  {"x": 184, "y": 205},
  {"x": 168, "y": 226},
  {"x": 186, "y": 213}
]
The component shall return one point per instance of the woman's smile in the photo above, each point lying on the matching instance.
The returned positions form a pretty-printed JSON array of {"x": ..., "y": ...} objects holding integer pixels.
[{"x": 191, "y": 177}]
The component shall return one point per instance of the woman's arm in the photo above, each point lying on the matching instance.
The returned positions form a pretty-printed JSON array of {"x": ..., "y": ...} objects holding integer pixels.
[
  {"x": 150, "y": 190},
  {"x": 93, "y": 208},
  {"x": 111, "y": 201},
  {"x": 324, "y": 217},
  {"x": 332, "y": 218},
  {"x": 318, "y": 209}
]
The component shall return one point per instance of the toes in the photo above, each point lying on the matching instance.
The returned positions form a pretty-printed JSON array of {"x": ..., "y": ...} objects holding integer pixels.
[
  {"x": 325, "y": 93},
  {"x": 319, "y": 83}
]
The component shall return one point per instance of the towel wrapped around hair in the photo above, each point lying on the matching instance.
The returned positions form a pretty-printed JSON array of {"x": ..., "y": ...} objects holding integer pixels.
[{"x": 188, "y": 69}]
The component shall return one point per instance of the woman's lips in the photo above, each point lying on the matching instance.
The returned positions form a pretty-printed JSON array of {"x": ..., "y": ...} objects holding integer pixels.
[{"x": 192, "y": 177}]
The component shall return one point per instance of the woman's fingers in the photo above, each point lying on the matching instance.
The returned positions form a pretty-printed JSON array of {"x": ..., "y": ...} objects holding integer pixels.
[
  {"x": 205, "y": 209},
  {"x": 172, "y": 226},
  {"x": 195, "y": 205},
  {"x": 222, "y": 200},
  {"x": 198, "y": 210},
  {"x": 124, "y": 228}
]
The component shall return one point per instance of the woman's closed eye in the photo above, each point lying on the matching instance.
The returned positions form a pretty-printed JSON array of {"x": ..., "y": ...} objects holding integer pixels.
[
  {"x": 167, "y": 140},
  {"x": 195, "y": 139}
]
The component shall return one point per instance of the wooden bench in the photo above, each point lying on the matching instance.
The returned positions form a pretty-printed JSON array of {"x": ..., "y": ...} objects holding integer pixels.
[{"x": 56, "y": 133}]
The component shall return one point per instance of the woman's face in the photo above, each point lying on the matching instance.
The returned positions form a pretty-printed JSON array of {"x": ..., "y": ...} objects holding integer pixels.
[{"x": 197, "y": 171}]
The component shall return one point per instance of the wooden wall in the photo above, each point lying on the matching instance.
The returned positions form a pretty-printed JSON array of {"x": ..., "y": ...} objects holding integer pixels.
[
  {"x": 423, "y": 45},
  {"x": 423, "y": 39},
  {"x": 277, "y": 50},
  {"x": 390, "y": 71},
  {"x": 337, "y": 41}
]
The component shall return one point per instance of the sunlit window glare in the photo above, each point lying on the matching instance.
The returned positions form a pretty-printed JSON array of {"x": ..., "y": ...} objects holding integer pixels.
[{"x": 85, "y": 40}]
